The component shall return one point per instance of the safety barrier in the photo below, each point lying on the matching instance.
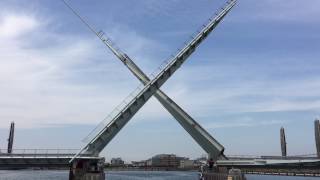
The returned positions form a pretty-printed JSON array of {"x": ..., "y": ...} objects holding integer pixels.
[{"x": 38, "y": 152}]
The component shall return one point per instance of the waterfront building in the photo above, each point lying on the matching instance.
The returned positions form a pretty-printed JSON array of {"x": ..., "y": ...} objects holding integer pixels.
[
  {"x": 187, "y": 164},
  {"x": 139, "y": 163},
  {"x": 117, "y": 162},
  {"x": 149, "y": 162},
  {"x": 165, "y": 160}
]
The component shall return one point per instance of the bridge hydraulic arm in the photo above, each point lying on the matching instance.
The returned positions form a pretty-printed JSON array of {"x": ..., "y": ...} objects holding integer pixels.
[{"x": 98, "y": 143}]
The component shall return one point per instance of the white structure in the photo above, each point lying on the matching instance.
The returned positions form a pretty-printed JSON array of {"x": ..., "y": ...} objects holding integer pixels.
[
  {"x": 117, "y": 162},
  {"x": 186, "y": 164},
  {"x": 139, "y": 163}
]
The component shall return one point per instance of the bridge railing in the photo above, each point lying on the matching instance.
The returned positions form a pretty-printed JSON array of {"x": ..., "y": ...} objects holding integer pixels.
[
  {"x": 292, "y": 157},
  {"x": 222, "y": 176},
  {"x": 243, "y": 157},
  {"x": 39, "y": 152}
]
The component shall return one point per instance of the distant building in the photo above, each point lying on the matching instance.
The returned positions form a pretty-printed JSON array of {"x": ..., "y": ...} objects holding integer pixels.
[
  {"x": 201, "y": 161},
  {"x": 203, "y": 158},
  {"x": 198, "y": 163},
  {"x": 149, "y": 162},
  {"x": 186, "y": 164},
  {"x": 165, "y": 160},
  {"x": 117, "y": 162},
  {"x": 139, "y": 163}
]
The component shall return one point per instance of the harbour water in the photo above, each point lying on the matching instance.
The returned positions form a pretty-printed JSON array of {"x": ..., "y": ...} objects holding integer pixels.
[{"x": 127, "y": 175}]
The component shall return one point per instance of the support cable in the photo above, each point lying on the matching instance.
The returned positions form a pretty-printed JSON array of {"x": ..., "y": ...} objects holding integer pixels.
[{"x": 99, "y": 34}]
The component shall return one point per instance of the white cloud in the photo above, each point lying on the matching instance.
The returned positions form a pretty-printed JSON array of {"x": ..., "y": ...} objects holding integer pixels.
[
  {"x": 69, "y": 80},
  {"x": 211, "y": 89},
  {"x": 62, "y": 83},
  {"x": 12, "y": 26},
  {"x": 244, "y": 122},
  {"x": 49, "y": 78},
  {"x": 156, "y": 7},
  {"x": 279, "y": 10}
]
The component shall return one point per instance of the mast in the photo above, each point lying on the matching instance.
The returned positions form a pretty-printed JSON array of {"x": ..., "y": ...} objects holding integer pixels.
[
  {"x": 283, "y": 142},
  {"x": 317, "y": 136},
  {"x": 11, "y": 138}
]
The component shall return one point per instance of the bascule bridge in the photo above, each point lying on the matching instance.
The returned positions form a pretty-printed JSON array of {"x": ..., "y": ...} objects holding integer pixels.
[
  {"x": 86, "y": 163},
  {"x": 109, "y": 128}
]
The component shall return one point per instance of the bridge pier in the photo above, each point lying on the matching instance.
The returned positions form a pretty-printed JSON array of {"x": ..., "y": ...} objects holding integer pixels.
[{"x": 87, "y": 169}]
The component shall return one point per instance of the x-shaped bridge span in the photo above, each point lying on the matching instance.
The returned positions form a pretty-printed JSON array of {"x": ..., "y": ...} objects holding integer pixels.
[{"x": 152, "y": 87}]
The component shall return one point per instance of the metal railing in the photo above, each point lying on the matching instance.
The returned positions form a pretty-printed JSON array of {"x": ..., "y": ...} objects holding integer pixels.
[
  {"x": 222, "y": 176},
  {"x": 38, "y": 152},
  {"x": 305, "y": 156},
  {"x": 243, "y": 156}
]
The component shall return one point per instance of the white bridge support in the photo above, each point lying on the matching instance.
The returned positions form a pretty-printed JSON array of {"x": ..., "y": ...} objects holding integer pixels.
[{"x": 98, "y": 143}]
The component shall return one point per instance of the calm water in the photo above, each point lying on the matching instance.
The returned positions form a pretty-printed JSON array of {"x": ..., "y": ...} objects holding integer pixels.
[{"x": 63, "y": 175}]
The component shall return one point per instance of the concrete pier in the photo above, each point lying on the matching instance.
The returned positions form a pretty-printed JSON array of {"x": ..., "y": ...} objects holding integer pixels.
[
  {"x": 232, "y": 174},
  {"x": 87, "y": 169}
]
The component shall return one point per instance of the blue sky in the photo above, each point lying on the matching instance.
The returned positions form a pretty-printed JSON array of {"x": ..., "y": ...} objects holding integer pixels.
[{"x": 257, "y": 72}]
